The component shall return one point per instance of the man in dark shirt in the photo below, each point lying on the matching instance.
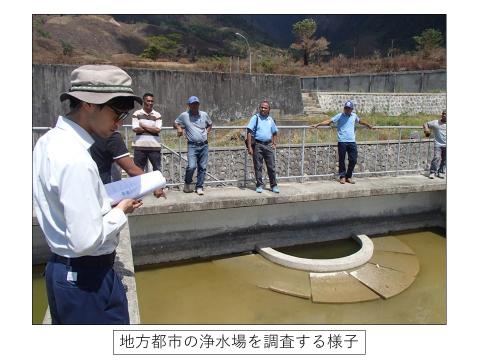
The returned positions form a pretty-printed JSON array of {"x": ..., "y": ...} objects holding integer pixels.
[
  {"x": 111, "y": 150},
  {"x": 105, "y": 152}
]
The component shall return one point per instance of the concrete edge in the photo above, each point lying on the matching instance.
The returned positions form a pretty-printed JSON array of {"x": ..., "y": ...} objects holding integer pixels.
[
  {"x": 282, "y": 199},
  {"x": 359, "y": 258},
  {"x": 313, "y": 194}
]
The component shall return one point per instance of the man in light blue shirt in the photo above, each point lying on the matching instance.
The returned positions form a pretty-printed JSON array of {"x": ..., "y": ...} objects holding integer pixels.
[
  {"x": 261, "y": 143},
  {"x": 196, "y": 125},
  {"x": 345, "y": 123}
]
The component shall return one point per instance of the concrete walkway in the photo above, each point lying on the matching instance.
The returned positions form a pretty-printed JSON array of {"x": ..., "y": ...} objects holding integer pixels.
[{"x": 234, "y": 197}]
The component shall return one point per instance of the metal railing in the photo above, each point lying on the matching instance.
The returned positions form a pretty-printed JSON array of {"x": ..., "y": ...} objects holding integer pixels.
[{"x": 303, "y": 153}]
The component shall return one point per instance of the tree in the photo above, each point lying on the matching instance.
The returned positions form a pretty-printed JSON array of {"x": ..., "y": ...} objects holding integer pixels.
[
  {"x": 67, "y": 48},
  {"x": 162, "y": 45},
  {"x": 429, "y": 40},
  {"x": 305, "y": 42}
]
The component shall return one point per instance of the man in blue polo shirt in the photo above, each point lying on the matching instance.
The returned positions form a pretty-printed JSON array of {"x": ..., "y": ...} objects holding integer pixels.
[
  {"x": 262, "y": 140},
  {"x": 196, "y": 125},
  {"x": 345, "y": 123}
]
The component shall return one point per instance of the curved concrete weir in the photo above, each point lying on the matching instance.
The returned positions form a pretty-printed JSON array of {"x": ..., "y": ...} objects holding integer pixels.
[
  {"x": 369, "y": 274},
  {"x": 357, "y": 259}
]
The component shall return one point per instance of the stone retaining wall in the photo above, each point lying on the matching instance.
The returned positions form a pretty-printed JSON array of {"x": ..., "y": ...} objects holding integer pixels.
[
  {"x": 387, "y": 103},
  {"x": 396, "y": 82}
]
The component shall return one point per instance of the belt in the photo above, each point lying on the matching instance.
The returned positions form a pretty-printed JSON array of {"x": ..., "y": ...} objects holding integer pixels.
[
  {"x": 198, "y": 143},
  {"x": 89, "y": 261},
  {"x": 263, "y": 142}
]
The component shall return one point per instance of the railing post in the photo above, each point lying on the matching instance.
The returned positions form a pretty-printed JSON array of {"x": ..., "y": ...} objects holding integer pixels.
[
  {"x": 289, "y": 148},
  {"x": 303, "y": 154},
  {"x": 179, "y": 160},
  {"x": 376, "y": 152},
  {"x": 214, "y": 150},
  {"x": 245, "y": 168},
  {"x": 328, "y": 152},
  {"x": 398, "y": 150},
  {"x": 428, "y": 153}
]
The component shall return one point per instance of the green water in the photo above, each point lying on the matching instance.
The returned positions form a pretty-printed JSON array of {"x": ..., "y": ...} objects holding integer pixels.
[
  {"x": 325, "y": 250},
  {"x": 227, "y": 291},
  {"x": 39, "y": 295}
]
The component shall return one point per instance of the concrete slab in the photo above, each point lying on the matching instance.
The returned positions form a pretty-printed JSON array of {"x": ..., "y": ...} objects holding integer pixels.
[
  {"x": 339, "y": 287},
  {"x": 391, "y": 244},
  {"x": 301, "y": 290},
  {"x": 231, "y": 197},
  {"x": 385, "y": 282},
  {"x": 396, "y": 261}
]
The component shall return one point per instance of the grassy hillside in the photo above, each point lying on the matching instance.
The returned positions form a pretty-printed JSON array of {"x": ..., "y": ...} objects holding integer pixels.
[{"x": 208, "y": 42}]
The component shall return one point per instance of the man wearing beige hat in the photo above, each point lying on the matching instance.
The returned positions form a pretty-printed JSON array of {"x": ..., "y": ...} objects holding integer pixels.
[{"x": 71, "y": 204}]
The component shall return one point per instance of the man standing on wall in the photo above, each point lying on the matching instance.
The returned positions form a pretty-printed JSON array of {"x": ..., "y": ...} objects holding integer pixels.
[
  {"x": 196, "y": 125},
  {"x": 345, "y": 122},
  {"x": 72, "y": 206},
  {"x": 147, "y": 124},
  {"x": 439, "y": 161},
  {"x": 261, "y": 143}
]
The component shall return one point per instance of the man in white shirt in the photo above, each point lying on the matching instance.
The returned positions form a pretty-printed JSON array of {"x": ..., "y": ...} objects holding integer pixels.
[
  {"x": 147, "y": 124},
  {"x": 71, "y": 204},
  {"x": 439, "y": 161}
]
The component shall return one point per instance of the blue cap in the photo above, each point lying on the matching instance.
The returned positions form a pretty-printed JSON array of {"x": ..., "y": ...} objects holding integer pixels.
[
  {"x": 349, "y": 104},
  {"x": 192, "y": 99}
]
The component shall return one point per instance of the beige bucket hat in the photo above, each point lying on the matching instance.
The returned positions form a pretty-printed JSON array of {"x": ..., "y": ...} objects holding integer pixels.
[{"x": 97, "y": 84}]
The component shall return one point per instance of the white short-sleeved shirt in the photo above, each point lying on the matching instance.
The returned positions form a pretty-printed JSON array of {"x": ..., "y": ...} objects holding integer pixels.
[
  {"x": 150, "y": 119},
  {"x": 70, "y": 201},
  {"x": 440, "y": 131}
]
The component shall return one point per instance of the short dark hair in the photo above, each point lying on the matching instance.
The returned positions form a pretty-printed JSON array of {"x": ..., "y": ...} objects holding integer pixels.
[
  {"x": 147, "y": 94},
  {"x": 74, "y": 102},
  {"x": 122, "y": 103}
]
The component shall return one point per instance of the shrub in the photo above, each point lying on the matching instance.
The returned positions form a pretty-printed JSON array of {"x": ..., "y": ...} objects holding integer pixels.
[{"x": 67, "y": 48}]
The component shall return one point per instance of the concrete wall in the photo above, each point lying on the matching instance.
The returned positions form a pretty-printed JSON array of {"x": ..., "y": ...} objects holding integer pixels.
[
  {"x": 390, "y": 104},
  {"x": 224, "y": 96},
  {"x": 233, "y": 220},
  {"x": 158, "y": 238},
  {"x": 410, "y": 82}
]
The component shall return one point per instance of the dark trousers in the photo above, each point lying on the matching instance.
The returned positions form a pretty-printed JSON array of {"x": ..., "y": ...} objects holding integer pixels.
[
  {"x": 96, "y": 297},
  {"x": 141, "y": 156},
  {"x": 349, "y": 148},
  {"x": 264, "y": 152}
]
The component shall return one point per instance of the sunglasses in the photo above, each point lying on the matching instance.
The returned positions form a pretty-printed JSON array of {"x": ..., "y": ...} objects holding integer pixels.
[{"x": 121, "y": 114}]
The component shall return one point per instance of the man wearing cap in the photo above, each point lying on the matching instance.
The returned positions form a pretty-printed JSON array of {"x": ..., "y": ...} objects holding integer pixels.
[
  {"x": 195, "y": 125},
  {"x": 71, "y": 204},
  {"x": 262, "y": 140},
  {"x": 345, "y": 122},
  {"x": 439, "y": 161},
  {"x": 147, "y": 124}
]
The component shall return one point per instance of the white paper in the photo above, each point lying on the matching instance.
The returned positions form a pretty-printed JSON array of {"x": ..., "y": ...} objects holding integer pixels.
[{"x": 134, "y": 187}]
